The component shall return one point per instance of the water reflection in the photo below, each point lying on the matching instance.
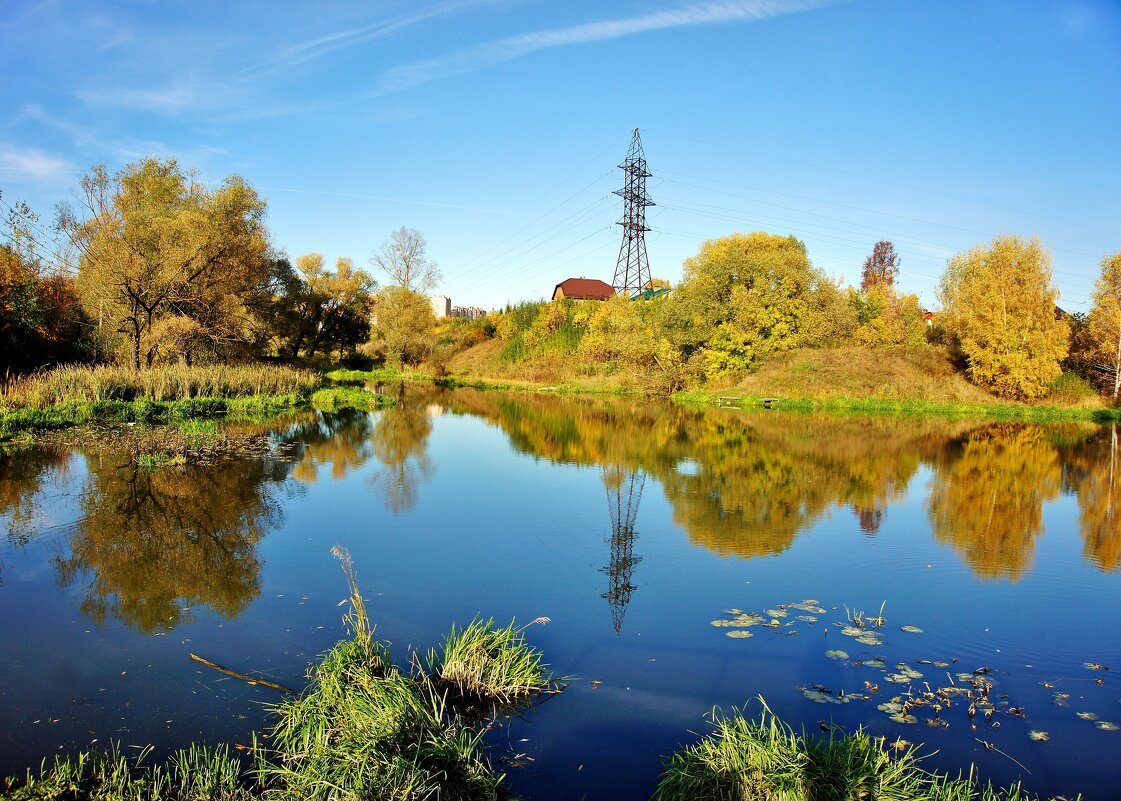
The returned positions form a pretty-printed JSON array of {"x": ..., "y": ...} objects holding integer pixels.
[
  {"x": 987, "y": 497},
  {"x": 153, "y": 544},
  {"x": 624, "y": 493},
  {"x": 756, "y": 481},
  {"x": 149, "y": 545}
]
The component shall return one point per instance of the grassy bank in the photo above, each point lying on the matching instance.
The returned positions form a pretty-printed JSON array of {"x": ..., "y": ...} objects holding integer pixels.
[
  {"x": 75, "y": 396},
  {"x": 79, "y": 384}
]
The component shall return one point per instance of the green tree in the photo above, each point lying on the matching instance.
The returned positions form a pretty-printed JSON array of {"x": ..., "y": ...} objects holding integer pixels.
[
  {"x": 999, "y": 312},
  {"x": 325, "y": 310},
  {"x": 1105, "y": 325},
  {"x": 156, "y": 244},
  {"x": 403, "y": 331},
  {"x": 746, "y": 295}
]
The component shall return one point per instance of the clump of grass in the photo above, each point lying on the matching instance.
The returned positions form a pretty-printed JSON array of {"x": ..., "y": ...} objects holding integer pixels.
[
  {"x": 335, "y": 398},
  {"x": 73, "y": 383},
  {"x": 191, "y": 774},
  {"x": 741, "y": 759},
  {"x": 765, "y": 759},
  {"x": 157, "y": 461},
  {"x": 365, "y": 730},
  {"x": 495, "y": 664}
]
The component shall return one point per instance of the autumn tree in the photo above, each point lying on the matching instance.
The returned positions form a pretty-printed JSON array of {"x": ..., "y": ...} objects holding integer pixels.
[
  {"x": 41, "y": 320},
  {"x": 167, "y": 265},
  {"x": 325, "y": 310},
  {"x": 746, "y": 295},
  {"x": 403, "y": 330},
  {"x": 1104, "y": 325},
  {"x": 403, "y": 259},
  {"x": 881, "y": 268},
  {"x": 888, "y": 318},
  {"x": 999, "y": 312}
]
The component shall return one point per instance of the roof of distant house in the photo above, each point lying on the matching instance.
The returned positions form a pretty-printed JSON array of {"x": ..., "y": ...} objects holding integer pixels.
[{"x": 584, "y": 289}]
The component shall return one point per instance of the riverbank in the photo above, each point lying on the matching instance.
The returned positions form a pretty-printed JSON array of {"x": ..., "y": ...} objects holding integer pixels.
[{"x": 897, "y": 382}]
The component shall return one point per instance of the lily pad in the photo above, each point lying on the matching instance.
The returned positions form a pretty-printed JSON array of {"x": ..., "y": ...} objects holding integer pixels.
[
  {"x": 777, "y": 612},
  {"x": 1039, "y": 736},
  {"x": 838, "y": 655},
  {"x": 1105, "y": 725},
  {"x": 852, "y": 631},
  {"x": 904, "y": 718},
  {"x": 1087, "y": 715},
  {"x": 870, "y": 639},
  {"x": 807, "y": 618},
  {"x": 739, "y": 634},
  {"x": 898, "y": 678},
  {"x": 891, "y": 707},
  {"x": 911, "y": 629}
]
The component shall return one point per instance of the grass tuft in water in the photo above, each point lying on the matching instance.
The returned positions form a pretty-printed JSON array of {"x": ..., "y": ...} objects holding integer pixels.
[
  {"x": 742, "y": 760},
  {"x": 191, "y": 774},
  {"x": 495, "y": 664}
]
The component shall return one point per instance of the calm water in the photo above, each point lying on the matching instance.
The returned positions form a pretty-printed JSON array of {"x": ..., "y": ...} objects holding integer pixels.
[{"x": 632, "y": 526}]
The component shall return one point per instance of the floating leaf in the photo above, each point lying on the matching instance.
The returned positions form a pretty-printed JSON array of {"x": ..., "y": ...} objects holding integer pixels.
[
  {"x": 839, "y": 655},
  {"x": 807, "y": 618},
  {"x": 874, "y": 663},
  {"x": 739, "y": 634},
  {"x": 898, "y": 678},
  {"x": 852, "y": 631},
  {"x": 1094, "y": 666},
  {"x": 870, "y": 639},
  {"x": 1039, "y": 736},
  {"x": 777, "y": 612},
  {"x": 900, "y": 744},
  {"x": 1105, "y": 725},
  {"x": 1087, "y": 715},
  {"x": 891, "y": 707},
  {"x": 904, "y": 718},
  {"x": 911, "y": 629}
]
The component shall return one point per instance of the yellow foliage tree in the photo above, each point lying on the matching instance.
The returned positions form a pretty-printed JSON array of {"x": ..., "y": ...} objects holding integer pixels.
[
  {"x": 999, "y": 310},
  {"x": 1105, "y": 323},
  {"x": 888, "y": 319}
]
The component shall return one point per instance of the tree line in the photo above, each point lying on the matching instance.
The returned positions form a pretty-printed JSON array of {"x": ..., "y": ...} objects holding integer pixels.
[{"x": 156, "y": 267}]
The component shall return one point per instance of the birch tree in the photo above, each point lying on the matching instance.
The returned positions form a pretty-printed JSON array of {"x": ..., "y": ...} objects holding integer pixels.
[
  {"x": 1105, "y": 324},
  {"x": 998, "y": 307}
]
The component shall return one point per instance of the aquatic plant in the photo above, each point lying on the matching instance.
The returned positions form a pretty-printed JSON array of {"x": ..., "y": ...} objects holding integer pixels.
[
  {"x": 494, "y": 664},
  {"x": 742, "y": 759},
  {"x": 190, "y": 774}
]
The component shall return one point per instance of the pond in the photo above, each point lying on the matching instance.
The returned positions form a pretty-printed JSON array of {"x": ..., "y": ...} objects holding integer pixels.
[{"x": 850, "y": 570}]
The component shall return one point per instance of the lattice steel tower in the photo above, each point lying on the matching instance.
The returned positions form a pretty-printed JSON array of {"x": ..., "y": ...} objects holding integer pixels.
[{"x": 632, "y": 270}]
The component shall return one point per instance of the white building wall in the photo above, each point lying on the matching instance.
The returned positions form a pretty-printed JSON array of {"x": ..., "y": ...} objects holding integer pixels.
[{"x": 441, "y": 306}]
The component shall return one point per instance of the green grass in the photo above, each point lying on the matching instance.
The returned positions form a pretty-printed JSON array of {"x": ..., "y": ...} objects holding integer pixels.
[
  {"x": 143, "y": 410},
  {"x": 334, "y": 398},
  {"x": 481, "y": 661},
  {"x": 71, "y": 383},
  {"x": 906, "y": 408},
  {"x": 744, "y": 759},
  {"x": 191, "y": 774}
]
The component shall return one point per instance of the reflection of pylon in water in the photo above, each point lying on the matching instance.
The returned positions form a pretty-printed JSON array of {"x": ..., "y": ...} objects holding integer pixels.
[{"x": 624, "y": 491}]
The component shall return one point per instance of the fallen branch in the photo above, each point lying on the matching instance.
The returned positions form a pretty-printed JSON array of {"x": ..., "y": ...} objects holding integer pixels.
[{"x": 244, "y": 677}]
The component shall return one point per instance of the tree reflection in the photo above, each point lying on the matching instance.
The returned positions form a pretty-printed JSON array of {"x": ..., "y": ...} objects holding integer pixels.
[
  {"x": 1094, "y": 473},
  {"x": 339, "y": 439},
  {"x": 987, "y": 496},
  {"x": 152, "y": 544},
  {"x": 399, "y": 441}
]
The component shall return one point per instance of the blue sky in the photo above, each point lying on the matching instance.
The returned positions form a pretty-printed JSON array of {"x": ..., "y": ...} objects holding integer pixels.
[{"x": 495, "y": 126}]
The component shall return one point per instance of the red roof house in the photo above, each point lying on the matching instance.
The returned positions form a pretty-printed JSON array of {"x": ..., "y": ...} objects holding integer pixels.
[{"x": 583, "y": 289}]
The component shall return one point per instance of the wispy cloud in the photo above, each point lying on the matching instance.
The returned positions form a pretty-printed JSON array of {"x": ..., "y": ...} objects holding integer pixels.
[
  {"x": 170, "y": 100},
  {"x": 33, "y": 163},
  {"x": 320, "y": 46},
  {"x": 490, "y": 53}
]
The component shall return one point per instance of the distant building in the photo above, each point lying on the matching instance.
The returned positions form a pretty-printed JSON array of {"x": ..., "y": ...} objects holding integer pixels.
[
  {"x": 583, "y": 289},
  {"x": 468, "y": 312},
  {"x": 441, "y": 306}
]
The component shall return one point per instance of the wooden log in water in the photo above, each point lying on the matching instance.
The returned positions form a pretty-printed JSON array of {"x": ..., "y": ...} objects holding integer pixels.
[{"x": 243, "y": 676}]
